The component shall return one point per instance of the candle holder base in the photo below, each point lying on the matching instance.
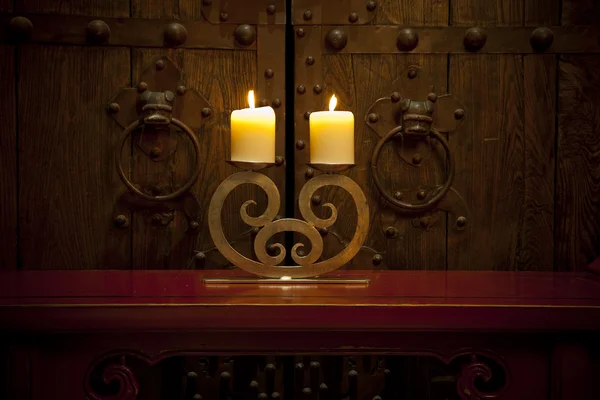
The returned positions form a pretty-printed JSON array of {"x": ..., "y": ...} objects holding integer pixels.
[
  {"x": 331, "y": 168},
  {"x": 281, "y": 281},
  {"x": 250, "y": 165}
]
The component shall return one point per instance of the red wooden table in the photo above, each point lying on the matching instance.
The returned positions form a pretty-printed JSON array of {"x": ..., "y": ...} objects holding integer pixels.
[{"x": 540, "y": 327}]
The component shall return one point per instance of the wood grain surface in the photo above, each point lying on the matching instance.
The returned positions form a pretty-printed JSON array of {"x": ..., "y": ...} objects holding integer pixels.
[
  {"x": 407, "y": 12},
  {"x": 8, "y": 160},
  {"x": 489, "y": 153},
  {"x": 537, "y": 245},
  {"x": 578, "y": 184},
  {"x": 100, "y": 8},
  {"x": 68, "y": 182}
]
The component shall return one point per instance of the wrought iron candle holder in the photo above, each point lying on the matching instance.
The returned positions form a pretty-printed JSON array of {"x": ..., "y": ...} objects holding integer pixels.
[{"x": 308, "y": 269}]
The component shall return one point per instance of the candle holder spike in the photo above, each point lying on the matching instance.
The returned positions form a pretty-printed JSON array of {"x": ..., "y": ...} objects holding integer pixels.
[{"x": 308, "y": 269}]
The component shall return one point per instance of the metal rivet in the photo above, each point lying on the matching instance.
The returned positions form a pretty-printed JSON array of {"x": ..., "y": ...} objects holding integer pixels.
[
  {"x": 421, "y": 194},
  {"x": 323, "y": 387},
  {"x": 300, "y": 144},
  {"x": 263, "y": 396},
  {"x": 160, "y": 65},
  {"x": 395, "y": 97},
  {"x": 353, "y": 17},
  {"x": 336, "y": 39},
  {"x": 323, "y": 231},
  {"x": 424, "y": 222},
  {"x": 271, "y": 9},
  {"x": 310, "y": 60},
  {"x": 541, "y": 39},
  {"x": 459, "y": 113},
  {"x": 155, "y": 152},
  {"x": 371, "y": 5},
  {"x": 194, "y": 225},
  {"x": 307, "y": 15},
  {"x": 407, "y": 39},
  {"x": 200, "y": 257},
  {"x": 301, "y": 89},
  {"x": 254, "y": 385},
  {"x": 432, "y": 97},
  {"x": 417, "y": 159},
  {"x": 206, "y": 112},
  {"x": 306, "y": 391},
  {"x": 316, "y": 199},
  {"x": 175, "y": 34},
  {"x": 307, "y": 115},
  {"x": 275, "y": 395},
  {"x": 114, "y": 108},
  {"x": 279, "y": 161},
  {"x": 300, "y": 32},
  {"x": 318, "y": 89},
  {"x": 181, "y": 90},
  {"x": 276, "y": 102},
  {"x": 98, "y": 31},
  {"x": 121, "y": 221},
  {"x": 264, "y": 103},
  {"x": 475, "y": 39},
  {"x": 223, "y": 16},
  {"x": 269, "y": 73},
  {"x": 398, "y": 195},
  {"x": 20, "y": 28},
  {"x": 245, "y": 34},
  {"x": 412, "y": 73},
  {"x": 390, "y": 232},
  {"x": 461, "y": 222},
  {"x": 254, "y": 231},
  {"x": 377, "y": 259},
  {"x": 309, "y": 173},
  {"x": 169, "y": 96},
  {"x": 142, "y": 87},
  {"x": 373, "y": 118}
]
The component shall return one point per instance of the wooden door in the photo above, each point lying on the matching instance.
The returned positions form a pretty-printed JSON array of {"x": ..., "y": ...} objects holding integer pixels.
[
  {"x": 524, "y": 127},
  {"x": 61, "y": 200}
]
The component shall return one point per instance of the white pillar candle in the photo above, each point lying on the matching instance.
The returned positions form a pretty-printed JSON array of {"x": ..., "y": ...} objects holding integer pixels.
[
  {"x": 253, "y": 133},
  {"x": 332, "y": 136}
]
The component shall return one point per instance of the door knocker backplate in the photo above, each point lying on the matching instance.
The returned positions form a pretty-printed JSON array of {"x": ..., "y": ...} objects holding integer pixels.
[
  {"x": 159, "y": 107},
  {"x": 415, "y": 117}
]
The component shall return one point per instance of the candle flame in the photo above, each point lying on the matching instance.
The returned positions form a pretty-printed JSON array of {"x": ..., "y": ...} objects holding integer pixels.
[
  {"x": 332, "y": 103},
  {"x": 251, "y": 98}
]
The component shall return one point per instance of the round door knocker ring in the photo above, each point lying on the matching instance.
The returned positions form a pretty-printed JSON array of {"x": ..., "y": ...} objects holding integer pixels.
[
  {"x": 134, "y": 125},
  {"x": 429, "y": 204}
]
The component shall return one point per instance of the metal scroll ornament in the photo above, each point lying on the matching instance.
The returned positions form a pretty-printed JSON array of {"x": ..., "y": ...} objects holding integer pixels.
[{"x": 308, "y": 265}]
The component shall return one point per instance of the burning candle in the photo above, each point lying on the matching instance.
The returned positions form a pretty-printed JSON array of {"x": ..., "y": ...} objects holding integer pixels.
[
  {"x": 332, "y": 136},
  {"x": 253, "y": 133}
]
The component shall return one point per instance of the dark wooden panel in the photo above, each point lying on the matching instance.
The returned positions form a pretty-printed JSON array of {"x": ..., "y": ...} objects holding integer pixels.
[
  {"x": 407, "y": 12},
  {"x": 164, "y": 9},
  {"x": 68, "y": 182},
  {"x": 542, "y": 12},
  {"x": 537, "y": 246},
  {"x": 489, "y": 152},
  {"x": 371, "y": 76},
  {"x": 580, "y": 12},
  {"x": 104, "y": 8},
  {"x": 224, "y": 82},
  {"x": 578, "y": 184},
  {"x": 487, "y": 12},
  {"x": 8, "y": 160},
  {"x": 6, "y": 5}
]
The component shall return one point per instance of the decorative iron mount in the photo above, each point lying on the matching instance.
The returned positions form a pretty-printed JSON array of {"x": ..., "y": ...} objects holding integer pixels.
[
  {"x": 399, "y": 117},
  {"x": 159, "y": 103},
  {"x": 309, "y": 265}
]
